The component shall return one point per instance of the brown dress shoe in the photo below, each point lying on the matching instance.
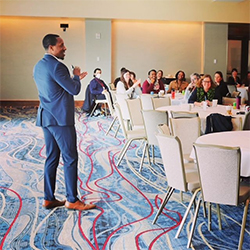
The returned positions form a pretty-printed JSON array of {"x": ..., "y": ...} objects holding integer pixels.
[
  {"x": 79, "y": 205},
  {"x": 52, "y": 204}
]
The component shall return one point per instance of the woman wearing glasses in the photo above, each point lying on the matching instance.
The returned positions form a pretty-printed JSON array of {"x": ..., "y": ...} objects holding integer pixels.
[{"x": 204, "y": 92}]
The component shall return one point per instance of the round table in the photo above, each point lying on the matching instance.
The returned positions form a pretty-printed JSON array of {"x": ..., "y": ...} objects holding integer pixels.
[
  {"x": 231, "y": 139},
  {"x": 221, "y": 109}
]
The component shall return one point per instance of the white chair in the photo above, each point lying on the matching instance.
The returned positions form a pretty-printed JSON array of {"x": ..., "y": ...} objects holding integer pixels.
[
  {"x": 112, "y": 113},
  {"x": 164, "y": 129},
  {"x": 178, "y": 175},
  {"x": 152, "y": 119},
  {"x": 121, "y": 100},
  {"x": 215, "y": 163},
  {"x": 129, "y": 135},
  {"x": 188, "y": 130},
  {"x": 146, "y": 100},
  {"x": 183, "y": 114},
  {"x": 161, "y": 102},
  {"x": 134, "y": 108},
  {"x": 97, "y": 102}
]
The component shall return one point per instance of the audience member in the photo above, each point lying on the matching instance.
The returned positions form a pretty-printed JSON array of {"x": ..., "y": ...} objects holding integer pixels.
[
  {"x": 160, "y": 79},
  {"x": 246, "y": 81},
  {"x": 126, "y": 87},
  {"x": 204, "y": 92},
  {"x": 133, "y": 78},
  {"x": 151, "y": 84},
  {"x": 179, "y": 84},
  {"x": 122, "y": 70},
  {"x": 234, "y": 79},
  {"x": 95, "y": 91},
  {"x": 192, "y": 85},
  {"x": 221, "y": 89}
]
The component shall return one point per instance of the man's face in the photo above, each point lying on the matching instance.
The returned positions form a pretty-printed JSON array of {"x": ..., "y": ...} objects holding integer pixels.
[{"x": 59, "y": 49}]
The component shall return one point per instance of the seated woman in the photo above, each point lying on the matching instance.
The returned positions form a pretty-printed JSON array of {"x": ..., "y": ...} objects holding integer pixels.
[
  {"x": 204, "y": 92},
  {"x": 192, "y": 85},
  {"x": 126, "y": 87},
  {"x": 221, "y": 89},
  {"x": 95, "y": 91},
  {"x": 234, "y": 79},
  {"x": 246, "y": 81},
  {"x": 151, "y": 84},
  {"x": 179, "y": 83}
]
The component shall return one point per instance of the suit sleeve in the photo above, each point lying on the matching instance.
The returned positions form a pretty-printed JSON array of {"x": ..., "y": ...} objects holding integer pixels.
[{"x": 62, "y": 77}]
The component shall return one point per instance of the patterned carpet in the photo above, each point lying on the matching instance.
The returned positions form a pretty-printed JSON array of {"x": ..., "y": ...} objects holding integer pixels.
[{"x": 126, "y": 200}]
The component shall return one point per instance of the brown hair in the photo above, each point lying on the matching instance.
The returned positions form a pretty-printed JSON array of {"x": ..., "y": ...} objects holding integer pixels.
[
  {"x": 199, "y": 83},
  {"x": 130, "y": 83}
]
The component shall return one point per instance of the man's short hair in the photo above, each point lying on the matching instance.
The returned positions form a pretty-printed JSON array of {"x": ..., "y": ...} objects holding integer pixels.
[{"x": 49, "y": 39}]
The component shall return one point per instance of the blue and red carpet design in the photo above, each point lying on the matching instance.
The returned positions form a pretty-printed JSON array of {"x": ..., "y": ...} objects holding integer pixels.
[{"x": 126, "y": 200}]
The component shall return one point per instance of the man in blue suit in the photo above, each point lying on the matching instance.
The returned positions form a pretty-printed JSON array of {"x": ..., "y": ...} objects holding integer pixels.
[{"x": 56, "y": 116}]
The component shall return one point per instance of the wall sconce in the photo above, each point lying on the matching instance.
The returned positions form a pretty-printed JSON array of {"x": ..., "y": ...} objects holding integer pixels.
[{"x": 64, "y": 26}]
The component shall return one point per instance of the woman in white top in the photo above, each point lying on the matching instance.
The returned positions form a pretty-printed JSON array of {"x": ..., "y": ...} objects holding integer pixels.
[{"x": 126, "y": 87}]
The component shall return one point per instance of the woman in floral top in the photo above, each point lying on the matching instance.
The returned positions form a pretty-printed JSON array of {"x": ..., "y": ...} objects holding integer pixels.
[{"x": 204, "y": 92}]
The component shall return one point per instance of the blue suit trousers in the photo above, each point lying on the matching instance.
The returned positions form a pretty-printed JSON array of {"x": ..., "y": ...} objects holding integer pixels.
[{"x": 60, "y": 140}]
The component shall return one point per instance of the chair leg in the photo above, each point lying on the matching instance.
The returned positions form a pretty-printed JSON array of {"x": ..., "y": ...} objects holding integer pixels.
[
  {"x": 149, "y": 161},
  {"x": 244, "y": 218},
  {"x": 153, "y": 153},
  {"x": 143, "y": 156},
  {"x": 111, "y": 125},
  {"x": 187, "y": 211},
  {"x": 209, "y": 216},
  {"x": 123, "y": 151},
  {"x": 93, "y": 110},
  {"x": 164, "y": 202},
  {"x": 194, "y": 222},
  {"x": 219, "y": 217},
  {"x": 118, "y": 127}
]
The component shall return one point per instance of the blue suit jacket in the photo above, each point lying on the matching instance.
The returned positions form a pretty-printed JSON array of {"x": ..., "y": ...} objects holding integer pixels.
[{"x": 56, "y": 90}]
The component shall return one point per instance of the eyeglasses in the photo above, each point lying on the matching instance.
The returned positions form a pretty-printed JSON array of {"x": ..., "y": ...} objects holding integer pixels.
[{"x": 206, "y": 81}]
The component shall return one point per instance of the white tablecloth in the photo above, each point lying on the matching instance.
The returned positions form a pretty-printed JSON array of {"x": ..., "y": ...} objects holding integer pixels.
[
  {"x": 237, "y": 119},
  {"x": 232, "y": 139},
  {"x": 243, "y": 92}
]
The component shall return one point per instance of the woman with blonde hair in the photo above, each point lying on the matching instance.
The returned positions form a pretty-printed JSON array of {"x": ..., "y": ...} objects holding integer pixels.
[{"x": 204, "y": 92}]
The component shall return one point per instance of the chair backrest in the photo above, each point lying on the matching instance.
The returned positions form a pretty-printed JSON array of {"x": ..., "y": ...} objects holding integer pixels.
[
  {"x": 120, "y": 119},
  {"x": 231, "y": 88},
  {"x": 171, "y": 152},
  {"x": 108, "y": 98},
  {"x": 246, "y": 125},
  {"x": 113, "y": 94},
  {"x": 183, "y": 114},
  {"x": 152, "y": 119},
  {"x": 219, "y": 171},
  {"x": 188, "y": 130},
  {"x": 228, "y": 100},
  {"x": 146, "y": 100},
  {"x": 134, "y": 108},
  {"x": 161, "y": 102},
  {"x": 121, "y": 100},
  {"x": 164, "y": 129}
]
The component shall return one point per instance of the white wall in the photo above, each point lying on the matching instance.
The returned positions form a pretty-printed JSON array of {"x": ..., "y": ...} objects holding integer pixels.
[
  {"x": 215, "y": 48},
  {"x": 21, "y": 47},
  {"x": 98, "y": 50},
  {"x": 171, "y": 10},
  {"x": 170, "y": 46}
]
